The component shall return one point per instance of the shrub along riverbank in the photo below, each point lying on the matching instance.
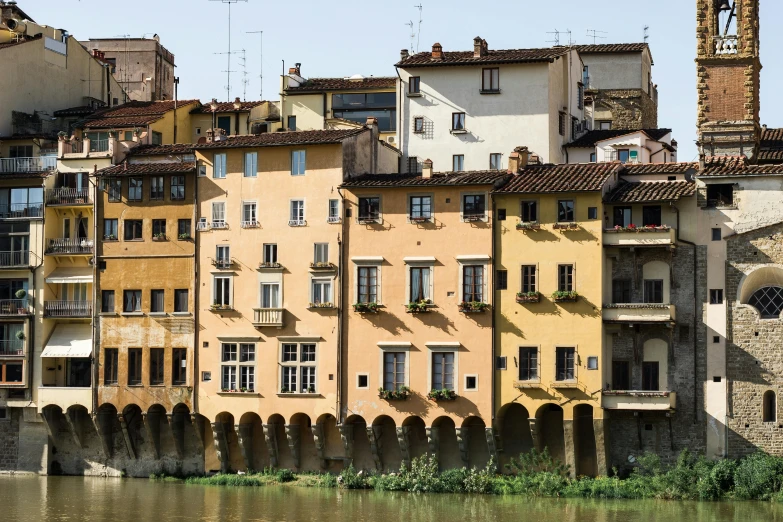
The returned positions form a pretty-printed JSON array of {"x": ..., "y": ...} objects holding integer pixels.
[{"x": 757, "y": 477}]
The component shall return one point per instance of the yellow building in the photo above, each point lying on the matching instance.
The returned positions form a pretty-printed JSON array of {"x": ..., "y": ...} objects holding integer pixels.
[
  {"x": 270, "y": 228},
  {"x": 549, "y": 339},
  {"x": 417, "y": 359},
  {"x": 235, "y": 118}
]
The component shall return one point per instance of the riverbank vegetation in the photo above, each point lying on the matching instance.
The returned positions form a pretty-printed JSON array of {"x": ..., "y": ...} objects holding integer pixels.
[{"x": 756, "y": 477}]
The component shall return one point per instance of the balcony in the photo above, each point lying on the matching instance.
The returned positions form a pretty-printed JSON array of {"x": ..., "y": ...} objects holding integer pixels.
[
  {"x": 639, "y": 237},
  {"x": 268, "y": 317},
  {"x": 728, "y": 44},
  {"x": 68, "y": 197},
  {"x": 12, "y": 348},
  {"x": 639, "y": 400},
  {"x": 24, "y": 165},
  {"x": 70, "y": 247},
  {"x": 634, "y": 313},
  {"x": 68, "y": 309},
  {"x": 18, "y": 259},
  {"x": 15, "y": 307},
  {"x": 64, "y": 396},
  {"x": 21, "y": 211}
]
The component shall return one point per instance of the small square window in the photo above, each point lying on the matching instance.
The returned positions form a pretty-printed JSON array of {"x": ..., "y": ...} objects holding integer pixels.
[
  {"x": 501, "y": 214},
  {"x": 716, "y": 378},
  {"x": 471, "y": 382},
  {"x": 592, "y": 212},
  {"x": 418, "y": 125},
  {"x": 501, "y": 280},
  {"x": 671, "y": 178},
  {"x": 363, "y": 381},
  {"x": 716, "y": 296},
  {"x": 206, "y": 376},
  {"x": 501, "y": 362},
  {"x": 592, "y": 363},
  {"x": 715, "y": 339},
  {"x": 716, "y": 234}
]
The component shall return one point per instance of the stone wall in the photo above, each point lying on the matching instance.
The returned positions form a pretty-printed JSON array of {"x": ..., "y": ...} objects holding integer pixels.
[
  {"x": 631, "y": 108},
  {"x": 9, "y": 440}
]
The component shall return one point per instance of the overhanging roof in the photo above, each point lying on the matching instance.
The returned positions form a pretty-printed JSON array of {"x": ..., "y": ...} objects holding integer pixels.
[{"x": 70, "y": 340}]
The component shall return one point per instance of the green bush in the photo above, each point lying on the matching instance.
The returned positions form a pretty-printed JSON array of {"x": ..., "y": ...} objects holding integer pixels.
[
  {"x": 758, "y": 477},
  {"x": 350, "y": 479}
]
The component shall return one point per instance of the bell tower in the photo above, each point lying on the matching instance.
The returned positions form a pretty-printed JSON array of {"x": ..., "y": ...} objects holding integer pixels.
[{"x": 728, "y": 68}]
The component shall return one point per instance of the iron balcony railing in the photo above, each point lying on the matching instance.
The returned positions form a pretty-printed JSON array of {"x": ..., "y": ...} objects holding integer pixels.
[
  {"x": 68, "y": 308},
  {"x": 69, "y": 246},
  {"x": 39, "y": 164},
  {"x": 12, "y": 259},
  {"x": 21, "y": 211},
  {"x": 14, "y": 306},
  {"x": 11, "y": 347},
  {"x": 68, "y": 196}
]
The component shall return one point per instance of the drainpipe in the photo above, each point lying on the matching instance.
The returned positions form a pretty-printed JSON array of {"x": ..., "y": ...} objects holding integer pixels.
[
  {"x": 176, "y": 85},
  {"x": 495, "y": 302},
  {"x": 31, "y": 339},
  {"x": 324, "y": 110},
  {"x": 399, "y": 113},
  {"x": 340, "y": 313},
  {"x": 95, "y": 284},
  {"x": 196, "y": 286}
]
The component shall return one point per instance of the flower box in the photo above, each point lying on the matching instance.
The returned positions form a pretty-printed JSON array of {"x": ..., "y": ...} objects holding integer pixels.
[
  {"x": 322, "y": 266},
  {"x": 269, "y": 266},
  {"x": 528, "y": 226},
  {"x": 473, "y": 217},
  {"x": 634, "y": 228},
  {"x": 369, "y": 220},
  {"x": 564, "y": 297},
  {"x": 185, "y": 237},
  {"x": 529, "y": 297},
  {"x": 565, "y": 226},
  {"x": 419, "y": 219},
  {"x": 159, "y": 237},
  {"x": 403, "y": 394},
  {"x": 366, "y": 308},
  {"x": 442, "y": 395},
  {"x": 321, "y": 305},
  {"x": 220, "y": 307},
  {"x": 110, "y": 237},
  {"x": 419, "y": 307},
  {"x": 474, "y": 307}
]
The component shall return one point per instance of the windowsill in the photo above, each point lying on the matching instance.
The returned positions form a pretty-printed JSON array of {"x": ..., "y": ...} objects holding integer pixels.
[
  {"x": 132, "y": 314},
  {"x": 134, "y": 240},
  {"x": 413, "y": 94},
  {"x": 135, "y": 386},
  {"x": 474, "y": 219},
  {"x": 418, "y": 132},
  {"x": 158, "y": 314},
  {"x": 565, "y": 384},
  {"x": 107, "y": 240},
  {"x": 182, "y": 314},
  {"x": 458, "y": 131},
  {"x": 241, "y": 394},
  {"x": 157, "y": 385},
  {"x": 111, "y": 385},
  {"x": 299, "y": 395},
  {"x": 108, "y": 314},
  {"x": 491, "y": 91}
]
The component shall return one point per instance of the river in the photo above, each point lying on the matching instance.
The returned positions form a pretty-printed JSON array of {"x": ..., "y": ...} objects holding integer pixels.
[{"x": 136, "y": 500}]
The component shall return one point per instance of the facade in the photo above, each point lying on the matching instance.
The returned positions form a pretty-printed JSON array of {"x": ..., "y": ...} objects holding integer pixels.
[
  {"x": 625, "y": 146},
  {"x": 142, "y": 66},
  {"x": 233, "y": 118}
]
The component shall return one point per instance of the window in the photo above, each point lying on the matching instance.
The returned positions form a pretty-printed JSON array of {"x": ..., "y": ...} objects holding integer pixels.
[
  {"x": 490, "y": 80},
  {"x": 471, "y": 383},
  {"x": 458, "y": 121},
  {"x": 653, "y": 291},
  {"x": 251, "y": 164},
  {"x": 222, "y": 291},
  {"x": 623, "y": 155},
  {"x": 292, "y": 123},
  {"x": 501, "y": 280},
  {"x": 458, "y": 162},
  {"x": 414, "y": 85},
  {"x": 605, "y": 125},
  {"x": 218, "y": 214},
  {"x": 561, "y": 123},
  {"x": 219, "y": 166},
  {"x": 501, "y": 362},
  {"x": 650, "y": 376},
  {"x": 621, "y": 375},
  {"x": 181, "y": 301},
  {"x": 421, "y": 207},
  {"x": 131, "y": 301},
  {"x": 156, "y": 188},
  {"x": 768, "y": 301},
  {"x": 183, "y": 228},
  {"x": 621, "y": 291},
  {"x": 358, "y": 107},
  {"x": 592, "y": 157},
  {"x": 135, "y": 186},
  {"x": 298, "y": 161},
  {"x": 238, "y": 359},
  {"x": 229, "y": 354},
  {"x": 156, "y": 366},
  {"x": 716, "y": 296},
  {"x": 107, "y": 301},
  {"x": 321, "y": 253},
  {"x": 159, "y": 228},
  {"x": 474, "y": 206},
  {"x": 420, "y": 278},
  {"x": 270, "y": 253},
  {"x": 157, "y": 301},
  {"x": 179, "y": 367},
  {"x": 134, "y": 366},
  {"x": 622, "y": 216},
  {"x": 368, "y": 284},
  {"x": 110, "y": 365},
  {"x": 270, "y": 295},
  {"x": 495, "y": 161},
  {"x": 528, "y": 364},
  {"x": 565, "y": 211},
  {"x": 651, "y": 216},
  {"x": 565, "y": 278},
  {"x": 297, "y": 218},
  {"x": 157, "y": 138},
  {"x": 249, "y": 214},
  {"x": 720, "y": 195},
  {"x": 473, "y": 284},
  {"x": 202, "y": 171},
  {"x": 770, "y": 413},
  {"x": 133, "y": 229},
  {"x": 501, "y": 214},
  {"x": 580, "y": 93},
  {"x": 298, "y": 368},
  {"x": 418, "y": 125},
  {"x": 413, "y": 165},
  {"x": 564, "y": 364},
  {"x": 334, "y": 211},
  {"x": 529, "y": 279},
  {"x": 177, "y": 188},
  {"x": 592, "y": 212},
  {"x": 110, "y": 229},
  {"x": 443, "y": 371},
  {"x": 321, "y": 291},
  {"x": 716, "y": 339},
  {"x": 369, "y": 208},
  {"x": 393, "y": 370},
  {"x": 716, "y": 234},
  {"x": 592, "y": 362},
  {"x": 362, "y": 381},
  {"x": 528, "y": 212}
]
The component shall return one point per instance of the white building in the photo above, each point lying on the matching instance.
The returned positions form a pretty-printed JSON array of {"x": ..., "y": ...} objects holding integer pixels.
[{"x": 626, "y": 146}]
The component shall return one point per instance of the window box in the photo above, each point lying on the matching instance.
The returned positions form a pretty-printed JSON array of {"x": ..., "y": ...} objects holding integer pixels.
[
  {"x": 110, "y": 237},
  {"x": 470, "y": 218},
  {"x": 419, "y": 307},
  {"x": 442, "y": 395},
  {"x": 269, "y": 266},
  {"x": 634, "y": 228},
  {"x": 250, "y": 224},
  {"x": 285, "y": 391},
  {"x": 222, "y": 263},
  {"x": 221, "y": 307},
  {"x": 366, "y": 308},
  {"x": 565, "y": 296},
  {"x": 185, "y": 237},
  {"x": 528, "y": 297},
  {"x": 323, "y": 265},
  {"x": 403, "y": 394},
  {"x": 419, "y": 219},
  {"x": 369, "y": 220},
  {"x": 413, "y": 94},
  {"x": 321, "y": 305},
  {"x": 159, "y": 237},
  {"x": 297, "y": 223},
  {"x": 202, "y": 226},
  {"x": 528, "y": 226},
  {"x": 565, "y": 226},
  {"x": 247, "y": 391},
  {"x": 473, "y": 307}
]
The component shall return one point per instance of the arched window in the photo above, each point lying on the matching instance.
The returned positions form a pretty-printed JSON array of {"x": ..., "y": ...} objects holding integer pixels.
[
  {"x": 770, "y": 406},
  {"x": 768, "y": 300}
]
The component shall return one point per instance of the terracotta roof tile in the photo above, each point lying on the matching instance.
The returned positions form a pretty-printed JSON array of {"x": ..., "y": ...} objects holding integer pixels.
[
  {"x": 737, "y": 166},
  {"x": 345, "y": 84},
  {"x": 649, "y": 191},
  {"x": 132, "y": 113},
  {"x": 660, "y": 168},
  {"x": 118, "y": 123},
  {"x": 439, "y": 179},
  {"x": 160, "y": 150},
  {"x": 245, "y": 106},
  {"x": 612, "y": 48},
  {"x": 75, "y": 111},
  {"x": 139, "y": 169},
  {"x": 580, "y": 177},
  {"x": 594, "y": 136},
  {"x": 771, "y": 150},
  {"x": 277, "y": 139},
  {"x": 492, "y": 57}
]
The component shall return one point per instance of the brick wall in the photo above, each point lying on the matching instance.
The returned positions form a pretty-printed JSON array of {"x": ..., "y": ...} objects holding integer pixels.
[
  {"x": 631, "y": 109},
  {"x": 725, "y": 92},
  {"x": 9, "y": 440}
]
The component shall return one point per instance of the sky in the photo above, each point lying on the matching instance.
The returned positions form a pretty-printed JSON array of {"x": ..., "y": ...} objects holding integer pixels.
[{"x": 340, "y": 39}]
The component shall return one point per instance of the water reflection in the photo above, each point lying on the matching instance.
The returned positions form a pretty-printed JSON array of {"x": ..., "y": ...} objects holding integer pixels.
[{"x": 95, "y": 499}]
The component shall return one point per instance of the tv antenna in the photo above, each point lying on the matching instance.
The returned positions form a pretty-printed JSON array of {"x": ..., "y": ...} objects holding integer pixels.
[
  {"x": 418, "y": 34},
  {"x": 261, "y": 74},
  {"x": 228, "y": 70},
  {"x": 556, "y": 37},
  {"x": 595, "y": 35},
  {"x": 413, "y": 36},
  {"x": 245, "y": 81},
  {"x": 646, "y": 33}
]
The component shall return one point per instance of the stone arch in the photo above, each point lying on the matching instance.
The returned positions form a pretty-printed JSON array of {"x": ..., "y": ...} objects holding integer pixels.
[
  {"x": 416, "y": 435},
  {"x": 179, "y": 427},
  {"x": 514, "y": 428},
  {"x": 476, "y": 443},
  {"x": 585, "y": 452},
  {"x": 769, "y": 407},
  {"x": 331, "y": 445},
  {"x": 275, "y": 431},
  {"x": 765, "y": 276},
  {"x": 156, "y": 425},
  {"x": 108, "y": 427},
  {"x": 301, "y": 442},
  {"x": 251, "y": 441},
  {"x": 549, "y": 423},
  {"x": 655, "y": 364},
  {"x": 388, "y": 448},
  {"x": 356, "y": 444},
  {"x": 447, "y": 445},
  {"x": 227, "y": 442},
  {"x": 657, "y": 270},
  {"x": 132, "y": 423},
  {"x": 55, "y": 423},
  {"x": 80, "y": 424}
]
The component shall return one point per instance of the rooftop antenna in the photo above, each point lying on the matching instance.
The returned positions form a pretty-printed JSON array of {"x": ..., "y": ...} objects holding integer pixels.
[
  {"x": 228, "y": 69},
  {"x": 413, "y": 36},
  {"x": 245, "y": 81},
  {"x": 261, "y": 75},
  {"x": 556, "y": 39},
  {"x": 418, "y": 34},
  {"x": 570, "y": 41},
  {"x": 646, "y": 33},
  {"x": 595, "y": 35}
]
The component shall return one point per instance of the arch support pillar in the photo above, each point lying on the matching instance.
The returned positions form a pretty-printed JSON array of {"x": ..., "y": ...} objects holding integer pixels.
[
  {"x": 433, "y": 440},
  {"x": 245, "y": 439},
  {"x": 403, "y": 433},
  {"x": 270, "y": 435},
  {"x": 463, "y": 439},
  {"x": 293, "y": 433},
  {"x": 346, "y": 434},
  {"x": 374, "y": 434},
  {"x": 319, "y": 437},
  {"x": 221, "y": 446}
]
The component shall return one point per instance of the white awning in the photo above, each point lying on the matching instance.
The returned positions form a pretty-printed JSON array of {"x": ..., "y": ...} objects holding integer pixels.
[
  {"x": 82, "y": 274},
  {"x": 70, "y": 340}
]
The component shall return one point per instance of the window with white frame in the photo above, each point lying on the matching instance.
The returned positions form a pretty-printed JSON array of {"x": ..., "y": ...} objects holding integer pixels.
[
  {"x": 369, "y": 208},
  {"x": 297, "y": 217},
  {"x": 238, "y": 367},
  {"x": 221, "y": 290},
  {"x": 218, "y": 214},
  {"x": 270, "y": 295},
  {"x": 458, "y": 162},
  {"x": 443, "y": 371},
  {"x": 223, "y": 256},
  {"x": 251, "y": 164},
  {"x": 298, "y": 368},
  {"x": 321, "y": 292},
  {"x": 495, "y": 161},
  {"x": 334, "y": 211},
  {"x": 270, "y": 253},
  {"x": 473, "y": 283},
  {"x": 320, "y": 254},
  {"x": 249, "y": 214},
  {"x": 420, "y": 284},
  {"x": 367, "y": 284},
  {"x": 394, "y": 370},
  {"x": 219, "y": 166},
  {"x": 420, "y": 208},
  {"x": 298, "y": 161}
]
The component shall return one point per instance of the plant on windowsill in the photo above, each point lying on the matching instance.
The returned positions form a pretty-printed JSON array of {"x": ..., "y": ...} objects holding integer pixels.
[
  {"x": 566, "y": 226},
  {"x": 322, "y": 265},
  {"x": 442, "y": 395},
  {"x": 470, "y": 218},
  {"x": 366, "y": 308},
  {"x": 645, "y": 228},
  {"x": 217, "y": 307},
  {"x": 565, "y": 296},
  {"x": 159, "y": 237},
  {"x": 419, "y": 219},
  {"x": 528, "y": 225},
  {"x": 110, "y": 237},
  {"x": 321, "y": 305},
  {"x": 419, "y": 307},
  {"x": 20, "y": 335},
  {"x": 528, "y": 297},
  {"x": 285, "y": 389},
  {"x": 185, "y": 237},
  {"x": 403, "y": 394},
  {"x": 311, "y": 389},
  {"x": 472, "y": 307},
  {"x": 262, "y": 265}
]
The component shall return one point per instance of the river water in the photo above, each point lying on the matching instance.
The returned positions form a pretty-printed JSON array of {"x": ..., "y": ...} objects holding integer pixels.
[{"x": 136, "y": 500}]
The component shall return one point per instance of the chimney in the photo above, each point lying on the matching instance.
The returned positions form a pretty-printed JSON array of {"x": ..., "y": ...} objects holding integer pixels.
[
  {"x": 480, "y": 47},
  {"x": 404, "y": 55},
  {"x": 518, "y": 160},
  {"x": 426, "y": 171},
  {"x": 437, "y": 51}
]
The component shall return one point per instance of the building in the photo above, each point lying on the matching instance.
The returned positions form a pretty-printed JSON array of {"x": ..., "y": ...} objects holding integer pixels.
[
  {"x": 142, "y": 66},
  {"x": 619, "y": 91},
  {"x": 626, "y": 146},
  {"x": 417, "y": 373},
  {"x": 234, "y": 118},
  {"x": 270, "y": 231},
  {"x": 338, "y": 103},
  {"x": 469, "y": 108}
]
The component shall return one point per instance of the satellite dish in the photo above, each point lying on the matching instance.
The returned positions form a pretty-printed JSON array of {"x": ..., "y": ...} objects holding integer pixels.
[{"x": 690, "y": 174}]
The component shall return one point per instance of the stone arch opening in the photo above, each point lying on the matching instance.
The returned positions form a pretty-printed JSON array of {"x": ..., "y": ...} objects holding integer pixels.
[
  {"x": 478, "y": 451},
  {"x": 109, "y": 428},
  {"x": 226, "y": 443},
  {"x": 549, "y": 420},
  {"x": 585, "y": 457},
  {"x": 447, "y": 445},
  {"x": 356, "y": 443},
  {"x": 156, "y": 424},
  {"x": 388, "y": 448},
  {"x": 132, "y": 423},
  {"x": 331, "y": 447},
  {"x": 515, "y": 435},
  {"x": 56, "y": 423},
  {"x": 416, "y": 434},
  {"x": 251, "y": 441},
  {"x": 763, "y": 290},
  {"x": 301, "y": 442},
  {"x": 275, "y": 432},
  {"x": 769, "y": 408}
]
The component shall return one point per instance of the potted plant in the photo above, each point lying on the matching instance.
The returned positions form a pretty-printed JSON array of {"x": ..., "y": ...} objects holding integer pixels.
[
  {"x": 419, "y": 307},
  {"x": 322, "y": 265},
  {"x": 263, "y": 265},
  {"x": 20, "y": 335},
  {"x": 403, "y": 393},
  {"x": 442, "y": 395},
  {"x": 311, "y": 389},
  {"x": 528, "y": 225},
  {"x": 565, "y": 295},
  {"x": 217, "y": 306},
  {"x": 366, "y": 308},
  {"x": 566, "y": 226},
  {"x": 472, "y": 307},
  {"x": 20, "y": 295},
  {"x": 110, "y": 237},
  {"x": 184, "y": 237},
  {"x": 321, "y": 305},
  {"x": 419, "y": 219},
  {"x": 285, "y": 389},
  {"x": 160, "y": 236},
  {"x": 528, "y": 297}
]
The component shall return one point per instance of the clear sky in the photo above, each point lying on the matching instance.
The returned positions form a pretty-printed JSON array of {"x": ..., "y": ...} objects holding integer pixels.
[{"x": 361, "y": 37}]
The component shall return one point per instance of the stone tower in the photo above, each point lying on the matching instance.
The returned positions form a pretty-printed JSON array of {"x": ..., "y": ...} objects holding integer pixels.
[{"x": 729, "y": 67}]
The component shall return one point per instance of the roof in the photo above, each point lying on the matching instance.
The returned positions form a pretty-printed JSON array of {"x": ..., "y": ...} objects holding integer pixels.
[
  {"x": 612, "y": 48},
  {"x": 439, "y": 179},
  {"x": 24, "y": 175},
  {"x": 345, "y": 84},
  {"x": 492, "y": 57},
  {"x": 132, "y": 114},
  {"x": 118, "y": 123},
  {"x": 281, "y": 139},
  {"x": 592, "y": 137},
  {"x": 140, "y": 169},
  {"x": 736, "y": 166},
  {"x": 579, "y": 177},
  {"x": 82, "y": 110},
  {"x": 648, "y": 191},
  {"x": 771, "y": 149},
  {"x": 161, "y": 150},
  {"x": 244, "y": 106},
  {"x": 659, "y": 168}
]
